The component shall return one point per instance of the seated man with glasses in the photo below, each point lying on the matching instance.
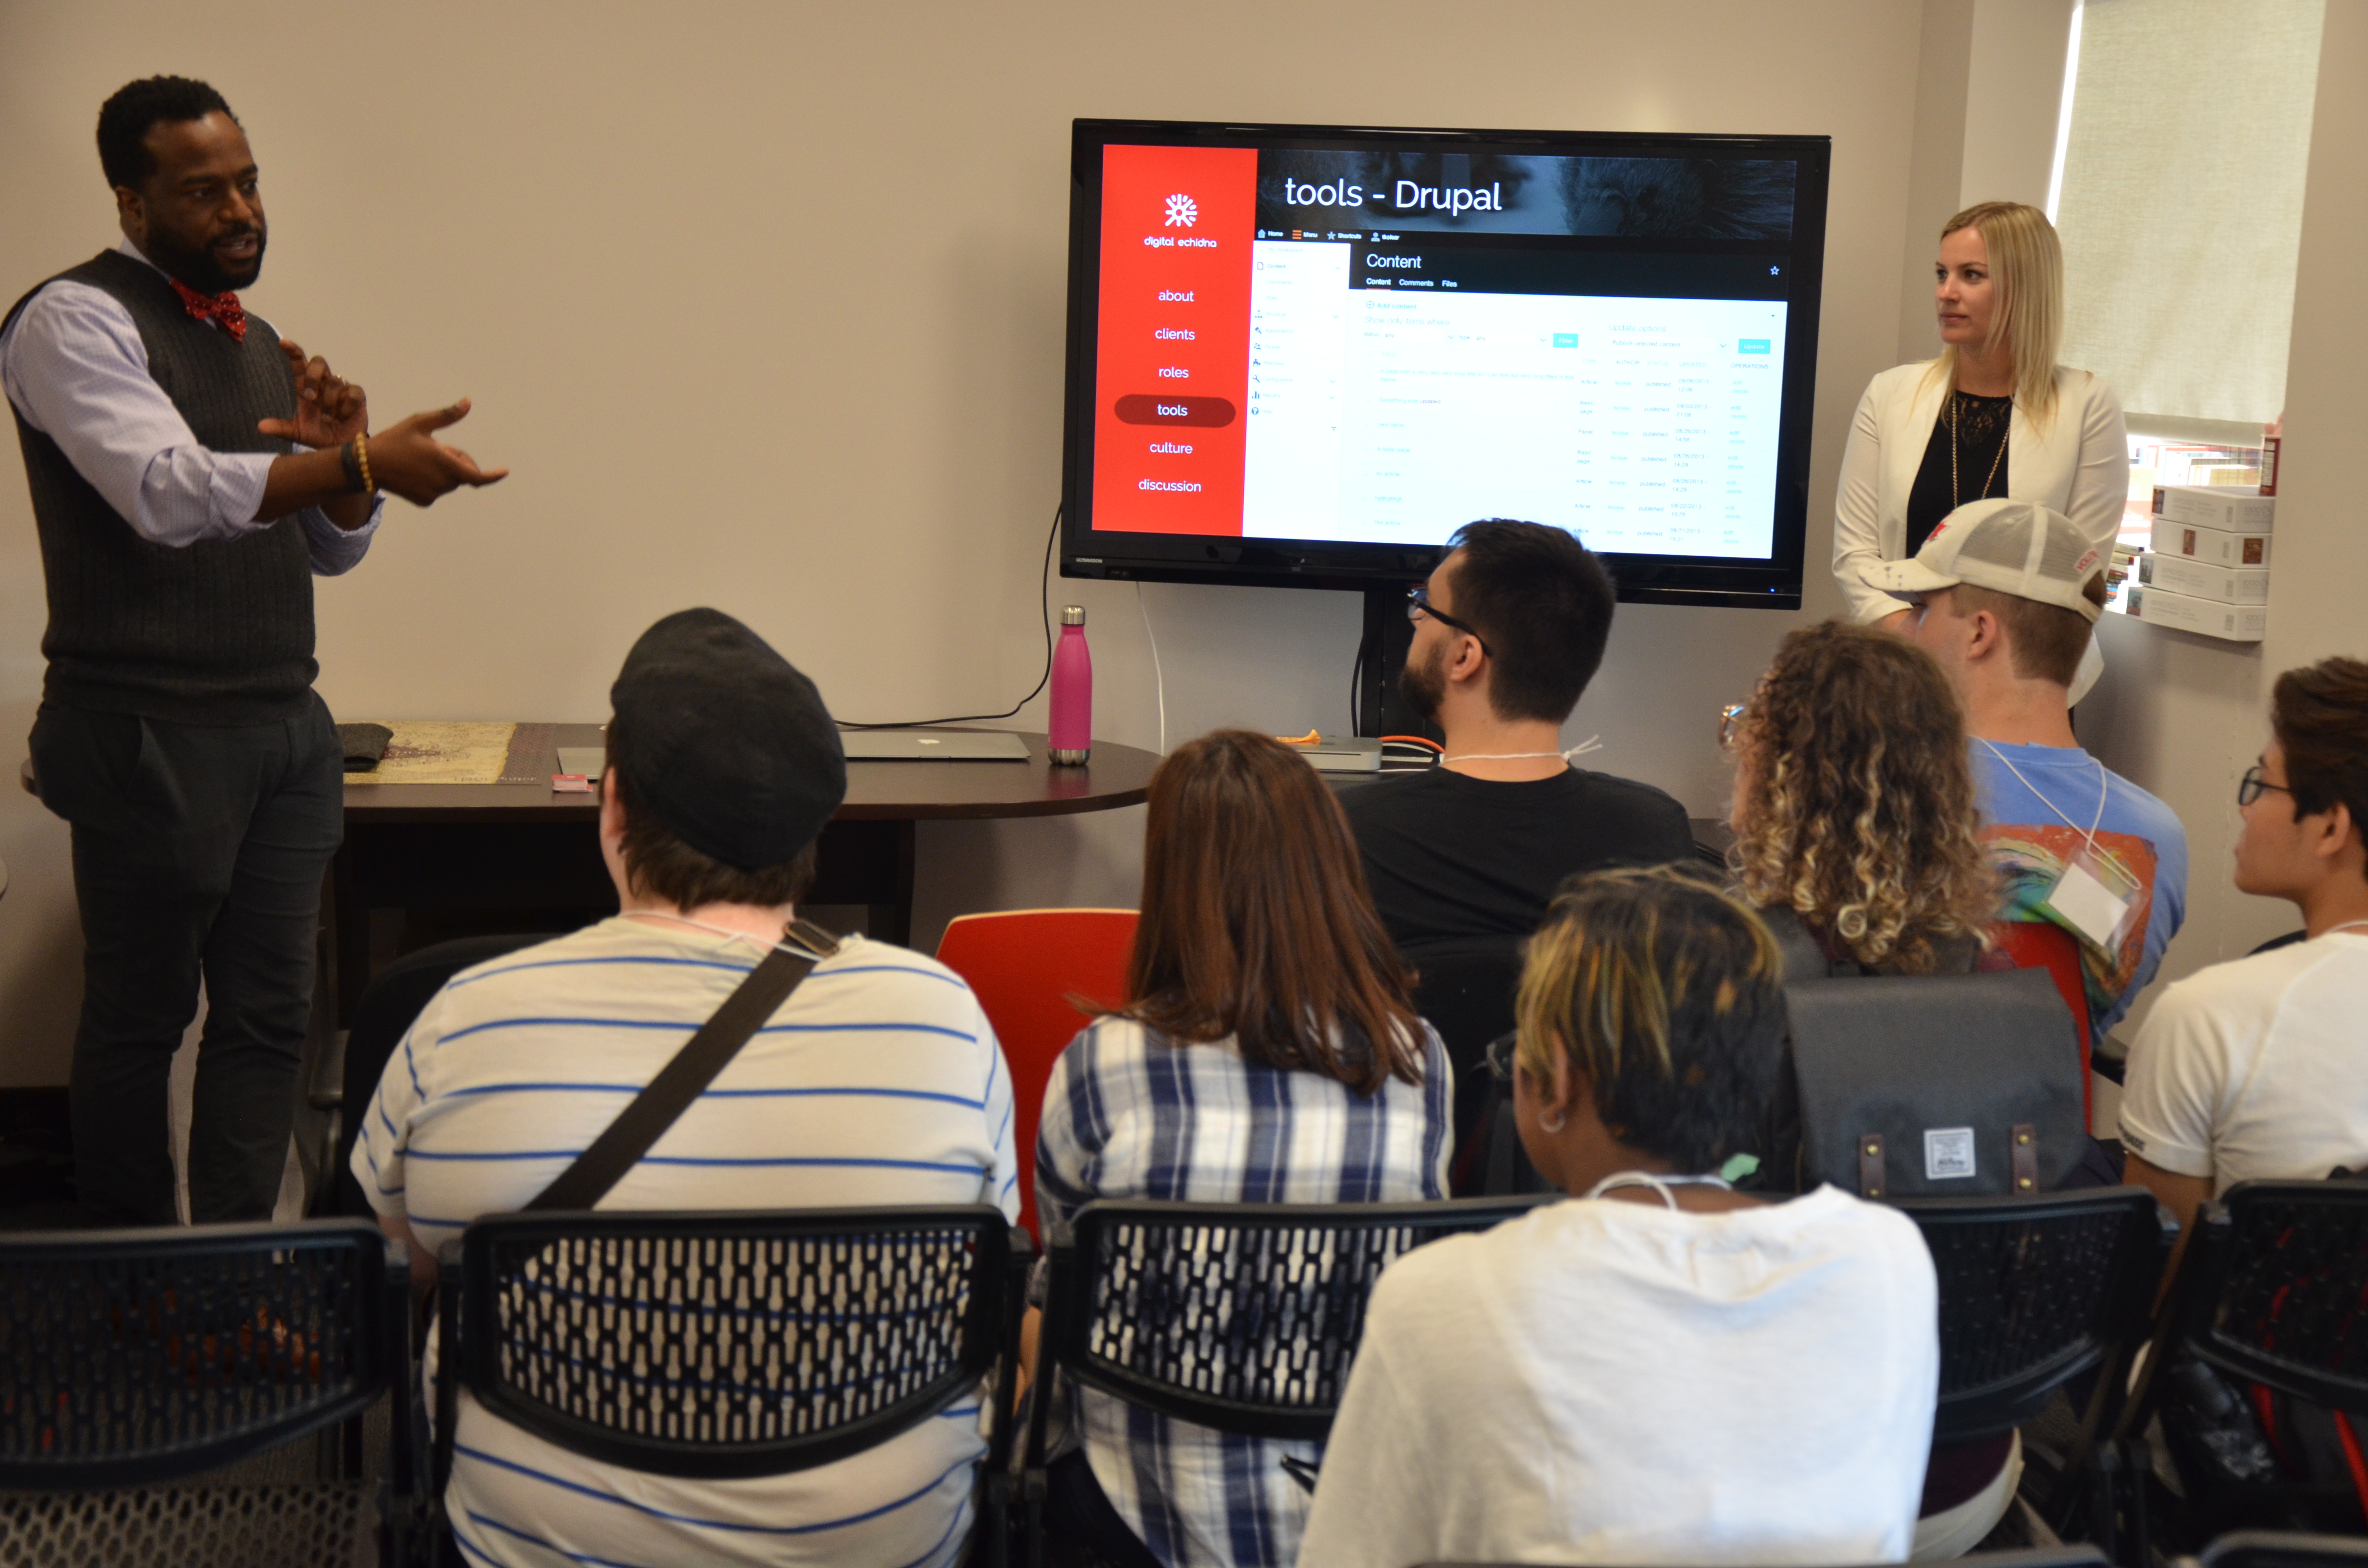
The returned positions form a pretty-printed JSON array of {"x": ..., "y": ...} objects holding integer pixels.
[
  {"x": 2007, "y": 596},
  {"x": 1508, "y": 632},
  {"x": 2252, "y": 1069}
]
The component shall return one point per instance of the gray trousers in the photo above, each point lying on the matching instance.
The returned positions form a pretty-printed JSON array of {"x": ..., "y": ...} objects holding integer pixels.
[{"x": 197, "y": 850}]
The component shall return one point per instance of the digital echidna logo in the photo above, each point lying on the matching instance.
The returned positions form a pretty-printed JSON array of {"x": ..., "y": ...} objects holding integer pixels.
[{"x": 1182, "y": 211}]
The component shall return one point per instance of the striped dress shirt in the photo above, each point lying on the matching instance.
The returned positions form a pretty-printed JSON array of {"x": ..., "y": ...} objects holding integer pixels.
[
  {"x": 878, "y": 1082},
  {"x": 1129, "y": 1115}
]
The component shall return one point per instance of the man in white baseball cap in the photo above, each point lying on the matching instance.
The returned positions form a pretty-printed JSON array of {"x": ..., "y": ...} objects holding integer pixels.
[{"x": 2007, "y": 596}]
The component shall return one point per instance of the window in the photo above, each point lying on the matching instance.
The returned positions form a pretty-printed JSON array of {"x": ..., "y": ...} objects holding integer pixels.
[{"x": 2180, "y": 205}]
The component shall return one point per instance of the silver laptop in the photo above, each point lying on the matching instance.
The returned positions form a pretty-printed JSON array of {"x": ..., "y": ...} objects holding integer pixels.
[
  {"x": 1342, "y": 754},
  {"x": 587, "y": 760},
  {"x": 933, "y": 746}
]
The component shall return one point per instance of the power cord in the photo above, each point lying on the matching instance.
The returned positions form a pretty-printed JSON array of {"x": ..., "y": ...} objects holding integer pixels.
[
  {"x": 1159, "y": 676},
  {"x": 1043, "y": 604}
]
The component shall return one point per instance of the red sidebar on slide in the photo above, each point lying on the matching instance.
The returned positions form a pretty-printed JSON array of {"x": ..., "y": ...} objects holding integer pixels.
[{"x": 1172, "y": 381}]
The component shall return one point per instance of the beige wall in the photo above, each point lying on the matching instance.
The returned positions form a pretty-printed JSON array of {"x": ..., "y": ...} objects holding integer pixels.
[
  {"x": 763, "y": 303},
  {"x": 2185, "y": 715}
]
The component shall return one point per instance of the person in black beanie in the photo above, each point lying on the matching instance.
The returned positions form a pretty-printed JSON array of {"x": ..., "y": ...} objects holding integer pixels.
[
  {"x": 879, "y": 1081},
  {"x": 192, "y": 472}
]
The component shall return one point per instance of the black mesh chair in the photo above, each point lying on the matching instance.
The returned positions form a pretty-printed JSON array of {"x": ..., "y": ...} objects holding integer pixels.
[
  {"x": 347, "y": 1074},
  {"x": 2284, "y": 1549},
  {"x": 2034, "y": 1293},
  {"x": 1240, "y": 1317},
  {"x": 2269, "y": 1292},
  {"x": 141, "y": 1363},
  {"x": 769, "y": 1341},
  {"x": 2034, "y": 1557}
]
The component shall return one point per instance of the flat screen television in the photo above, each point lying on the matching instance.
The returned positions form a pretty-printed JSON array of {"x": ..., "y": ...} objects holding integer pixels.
[{"x": 1304, "y": 354}]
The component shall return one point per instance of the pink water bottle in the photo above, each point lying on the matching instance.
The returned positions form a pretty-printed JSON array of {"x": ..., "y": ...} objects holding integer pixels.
[{"x": 1072, "y": 739}]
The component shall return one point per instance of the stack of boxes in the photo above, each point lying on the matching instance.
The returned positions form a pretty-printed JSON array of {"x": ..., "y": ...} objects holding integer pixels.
[{"x": 2209, "y": 568}]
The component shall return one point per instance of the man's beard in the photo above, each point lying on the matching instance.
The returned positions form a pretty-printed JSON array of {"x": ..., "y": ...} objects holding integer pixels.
[
  {"x": 196, "y": 267},
  {"x": 1424, "y": 686}
]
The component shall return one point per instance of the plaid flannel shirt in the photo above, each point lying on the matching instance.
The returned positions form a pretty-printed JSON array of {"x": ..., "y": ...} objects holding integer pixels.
[{"x": 1130, "y": 1114}]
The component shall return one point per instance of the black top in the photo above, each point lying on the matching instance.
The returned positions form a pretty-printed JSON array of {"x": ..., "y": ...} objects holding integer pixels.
[
  {"x": 1450, "y": 856},
  {"x": 1981, "y": 466},
  {"x": 218, "y": 632}
]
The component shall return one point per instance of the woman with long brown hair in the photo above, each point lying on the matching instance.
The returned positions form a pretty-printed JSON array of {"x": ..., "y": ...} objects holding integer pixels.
[
  {"x": 1855, "y": 828},
  {"x": 1271, "y": 1054}
]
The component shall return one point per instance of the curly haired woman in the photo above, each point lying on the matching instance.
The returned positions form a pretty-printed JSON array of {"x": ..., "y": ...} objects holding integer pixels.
[{"x": 1854, "y": 818}]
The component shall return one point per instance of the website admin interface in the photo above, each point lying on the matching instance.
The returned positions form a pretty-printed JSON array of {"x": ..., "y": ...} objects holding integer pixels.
[{"x": 1379, "y": 346}]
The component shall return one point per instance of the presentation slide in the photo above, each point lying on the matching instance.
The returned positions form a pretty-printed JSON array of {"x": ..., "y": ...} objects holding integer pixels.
[{"x": 1348, "y": 347}]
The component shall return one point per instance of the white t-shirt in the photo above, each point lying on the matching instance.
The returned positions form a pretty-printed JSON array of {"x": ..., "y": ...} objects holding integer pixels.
[
  {"x": 2254, "y": 1068},
  {"x": 1610, "y": 1381},
  {"x": 878, "y": 1082}
]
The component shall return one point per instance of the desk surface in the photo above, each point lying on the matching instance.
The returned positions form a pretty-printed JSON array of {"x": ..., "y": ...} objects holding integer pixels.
[{"x": 1117, "y": 776}]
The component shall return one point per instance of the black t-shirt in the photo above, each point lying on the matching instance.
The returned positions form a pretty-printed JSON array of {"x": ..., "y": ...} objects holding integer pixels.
[
  {"x": 1981, "y": 465},
  {"x": 1450, "y": 856}
]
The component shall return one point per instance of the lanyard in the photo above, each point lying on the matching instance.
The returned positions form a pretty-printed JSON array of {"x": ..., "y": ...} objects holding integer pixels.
[
  {"x": 1592, "y": 742},
  {"x": 723, "y": 931},
  {"x": 2104, "y": 785},
  {"x": 1660, "y": 1183}
]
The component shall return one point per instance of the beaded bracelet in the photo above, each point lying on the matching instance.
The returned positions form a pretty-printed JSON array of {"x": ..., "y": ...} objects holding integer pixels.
[{"x": 361, "y": 457}]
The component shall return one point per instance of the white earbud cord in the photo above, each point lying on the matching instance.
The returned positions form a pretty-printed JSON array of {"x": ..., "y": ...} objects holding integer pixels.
[{"x": 1592, "y": 742}]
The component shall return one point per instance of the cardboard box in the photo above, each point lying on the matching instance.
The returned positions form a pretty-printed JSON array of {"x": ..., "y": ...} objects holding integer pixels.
[
  {"x": 2216, "y": 546},
  {"x": 2201, "y": 579},
  {"x": 2235, "y": 623},
  {"x": 2235, "y": 509}
]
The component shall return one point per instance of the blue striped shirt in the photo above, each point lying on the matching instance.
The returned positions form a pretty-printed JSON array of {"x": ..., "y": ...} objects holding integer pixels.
[
  {"x": 1128, "y": 1115},
  {"x": 878, "y": 1082}
]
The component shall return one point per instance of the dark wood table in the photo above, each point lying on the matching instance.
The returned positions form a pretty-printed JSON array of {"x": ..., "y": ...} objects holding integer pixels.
[{"x": 424, "y": 861}]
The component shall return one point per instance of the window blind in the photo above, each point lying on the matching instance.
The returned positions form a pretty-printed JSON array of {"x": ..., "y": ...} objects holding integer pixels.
[{"x": 2180, "y": 205}]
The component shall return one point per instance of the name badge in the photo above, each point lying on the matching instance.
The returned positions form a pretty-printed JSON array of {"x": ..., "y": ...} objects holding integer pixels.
[{"x": 2096, "y": 897}]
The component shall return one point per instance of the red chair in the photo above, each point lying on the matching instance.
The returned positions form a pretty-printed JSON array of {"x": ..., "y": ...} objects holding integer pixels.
[
  {"x": 1024, "y": 965},
  {"x": 2035, "y": 944}
]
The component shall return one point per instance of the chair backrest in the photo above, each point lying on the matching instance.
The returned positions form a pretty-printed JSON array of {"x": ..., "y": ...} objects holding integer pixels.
[
  {"x": 1242, "y": 1317},
  {"x": 2036, "y": 944},
  {"x": 1466, "y": 994},
  {"x": 2283, "y": 1548},
  {"x": 2030, "y": 1557},
  {"x": 2272, "y": 1284},
  {"x": 723, "y": 1345},
  {"x": 389, "y": 1005},
  {"x": 138, "y": 1358},
  {"x": 2033, "y": 1292},
  {"x": 1024, "y": 965}
]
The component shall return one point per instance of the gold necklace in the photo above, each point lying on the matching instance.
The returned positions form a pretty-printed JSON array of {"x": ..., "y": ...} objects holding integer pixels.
[{"x": 1955, "y": 402}]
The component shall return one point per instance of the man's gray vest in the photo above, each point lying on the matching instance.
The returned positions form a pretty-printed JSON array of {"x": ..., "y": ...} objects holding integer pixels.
[{"x": 219, "y": 632}]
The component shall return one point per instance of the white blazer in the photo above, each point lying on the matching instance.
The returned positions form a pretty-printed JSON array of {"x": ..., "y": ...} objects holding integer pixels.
[{"x": 2079, "y": 465}]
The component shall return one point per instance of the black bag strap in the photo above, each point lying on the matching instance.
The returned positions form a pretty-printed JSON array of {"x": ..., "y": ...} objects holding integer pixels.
[{"x": 682, "y": 1080}]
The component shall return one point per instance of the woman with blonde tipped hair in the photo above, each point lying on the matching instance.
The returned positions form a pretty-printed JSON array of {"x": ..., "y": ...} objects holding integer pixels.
[{"x": 1994, "y": 415}]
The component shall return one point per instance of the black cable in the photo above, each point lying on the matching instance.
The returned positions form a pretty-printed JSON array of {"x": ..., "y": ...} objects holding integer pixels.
[
  {"x": 1044, "y": 604},
  {"x": 1357, "y": 684}
]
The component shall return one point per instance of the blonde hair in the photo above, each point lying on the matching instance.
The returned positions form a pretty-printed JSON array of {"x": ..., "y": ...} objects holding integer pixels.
[
  {"x": 1664, "y": 994},
  {"x": 2027, "y": 278},
  {"x": 1860, "y": 813}
]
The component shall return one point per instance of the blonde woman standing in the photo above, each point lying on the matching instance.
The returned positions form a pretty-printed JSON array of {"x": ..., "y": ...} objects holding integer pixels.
[{"x": 1994, "y": 415}]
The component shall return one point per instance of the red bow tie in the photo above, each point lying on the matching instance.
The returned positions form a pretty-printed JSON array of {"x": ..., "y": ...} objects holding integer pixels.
[{"x": 223, "y": 310}]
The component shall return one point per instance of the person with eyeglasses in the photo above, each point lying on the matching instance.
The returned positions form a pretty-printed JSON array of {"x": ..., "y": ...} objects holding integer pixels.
[
  {"x": 2006, "y": 596},
  {"x": 2253, "y": 1068},
  {"x": 1507, "y": 631}
]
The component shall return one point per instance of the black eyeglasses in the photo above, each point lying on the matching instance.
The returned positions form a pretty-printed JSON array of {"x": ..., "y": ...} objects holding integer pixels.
[
  {"x": 1419, "y": 604},
  {"x": 2250, "y": 787}
]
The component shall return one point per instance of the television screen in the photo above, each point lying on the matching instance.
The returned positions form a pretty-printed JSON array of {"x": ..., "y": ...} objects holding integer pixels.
[{"x": 1306, "y": 355}]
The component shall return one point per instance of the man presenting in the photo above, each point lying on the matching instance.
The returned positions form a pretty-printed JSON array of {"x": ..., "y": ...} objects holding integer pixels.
[
  {"x": 191, "y": 470},
  {"x": 2008, "y": 596}
]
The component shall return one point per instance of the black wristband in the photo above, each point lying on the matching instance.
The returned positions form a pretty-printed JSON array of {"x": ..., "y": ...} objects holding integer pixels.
[{"x": 352, "y": 462}]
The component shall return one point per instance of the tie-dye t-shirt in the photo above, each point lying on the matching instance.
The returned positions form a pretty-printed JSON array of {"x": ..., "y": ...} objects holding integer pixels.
[{"x": 2024, "y": 822}]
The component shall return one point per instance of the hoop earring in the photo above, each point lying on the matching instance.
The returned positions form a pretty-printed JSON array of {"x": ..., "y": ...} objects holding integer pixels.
[{"x": 1557, "y": 1125}]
